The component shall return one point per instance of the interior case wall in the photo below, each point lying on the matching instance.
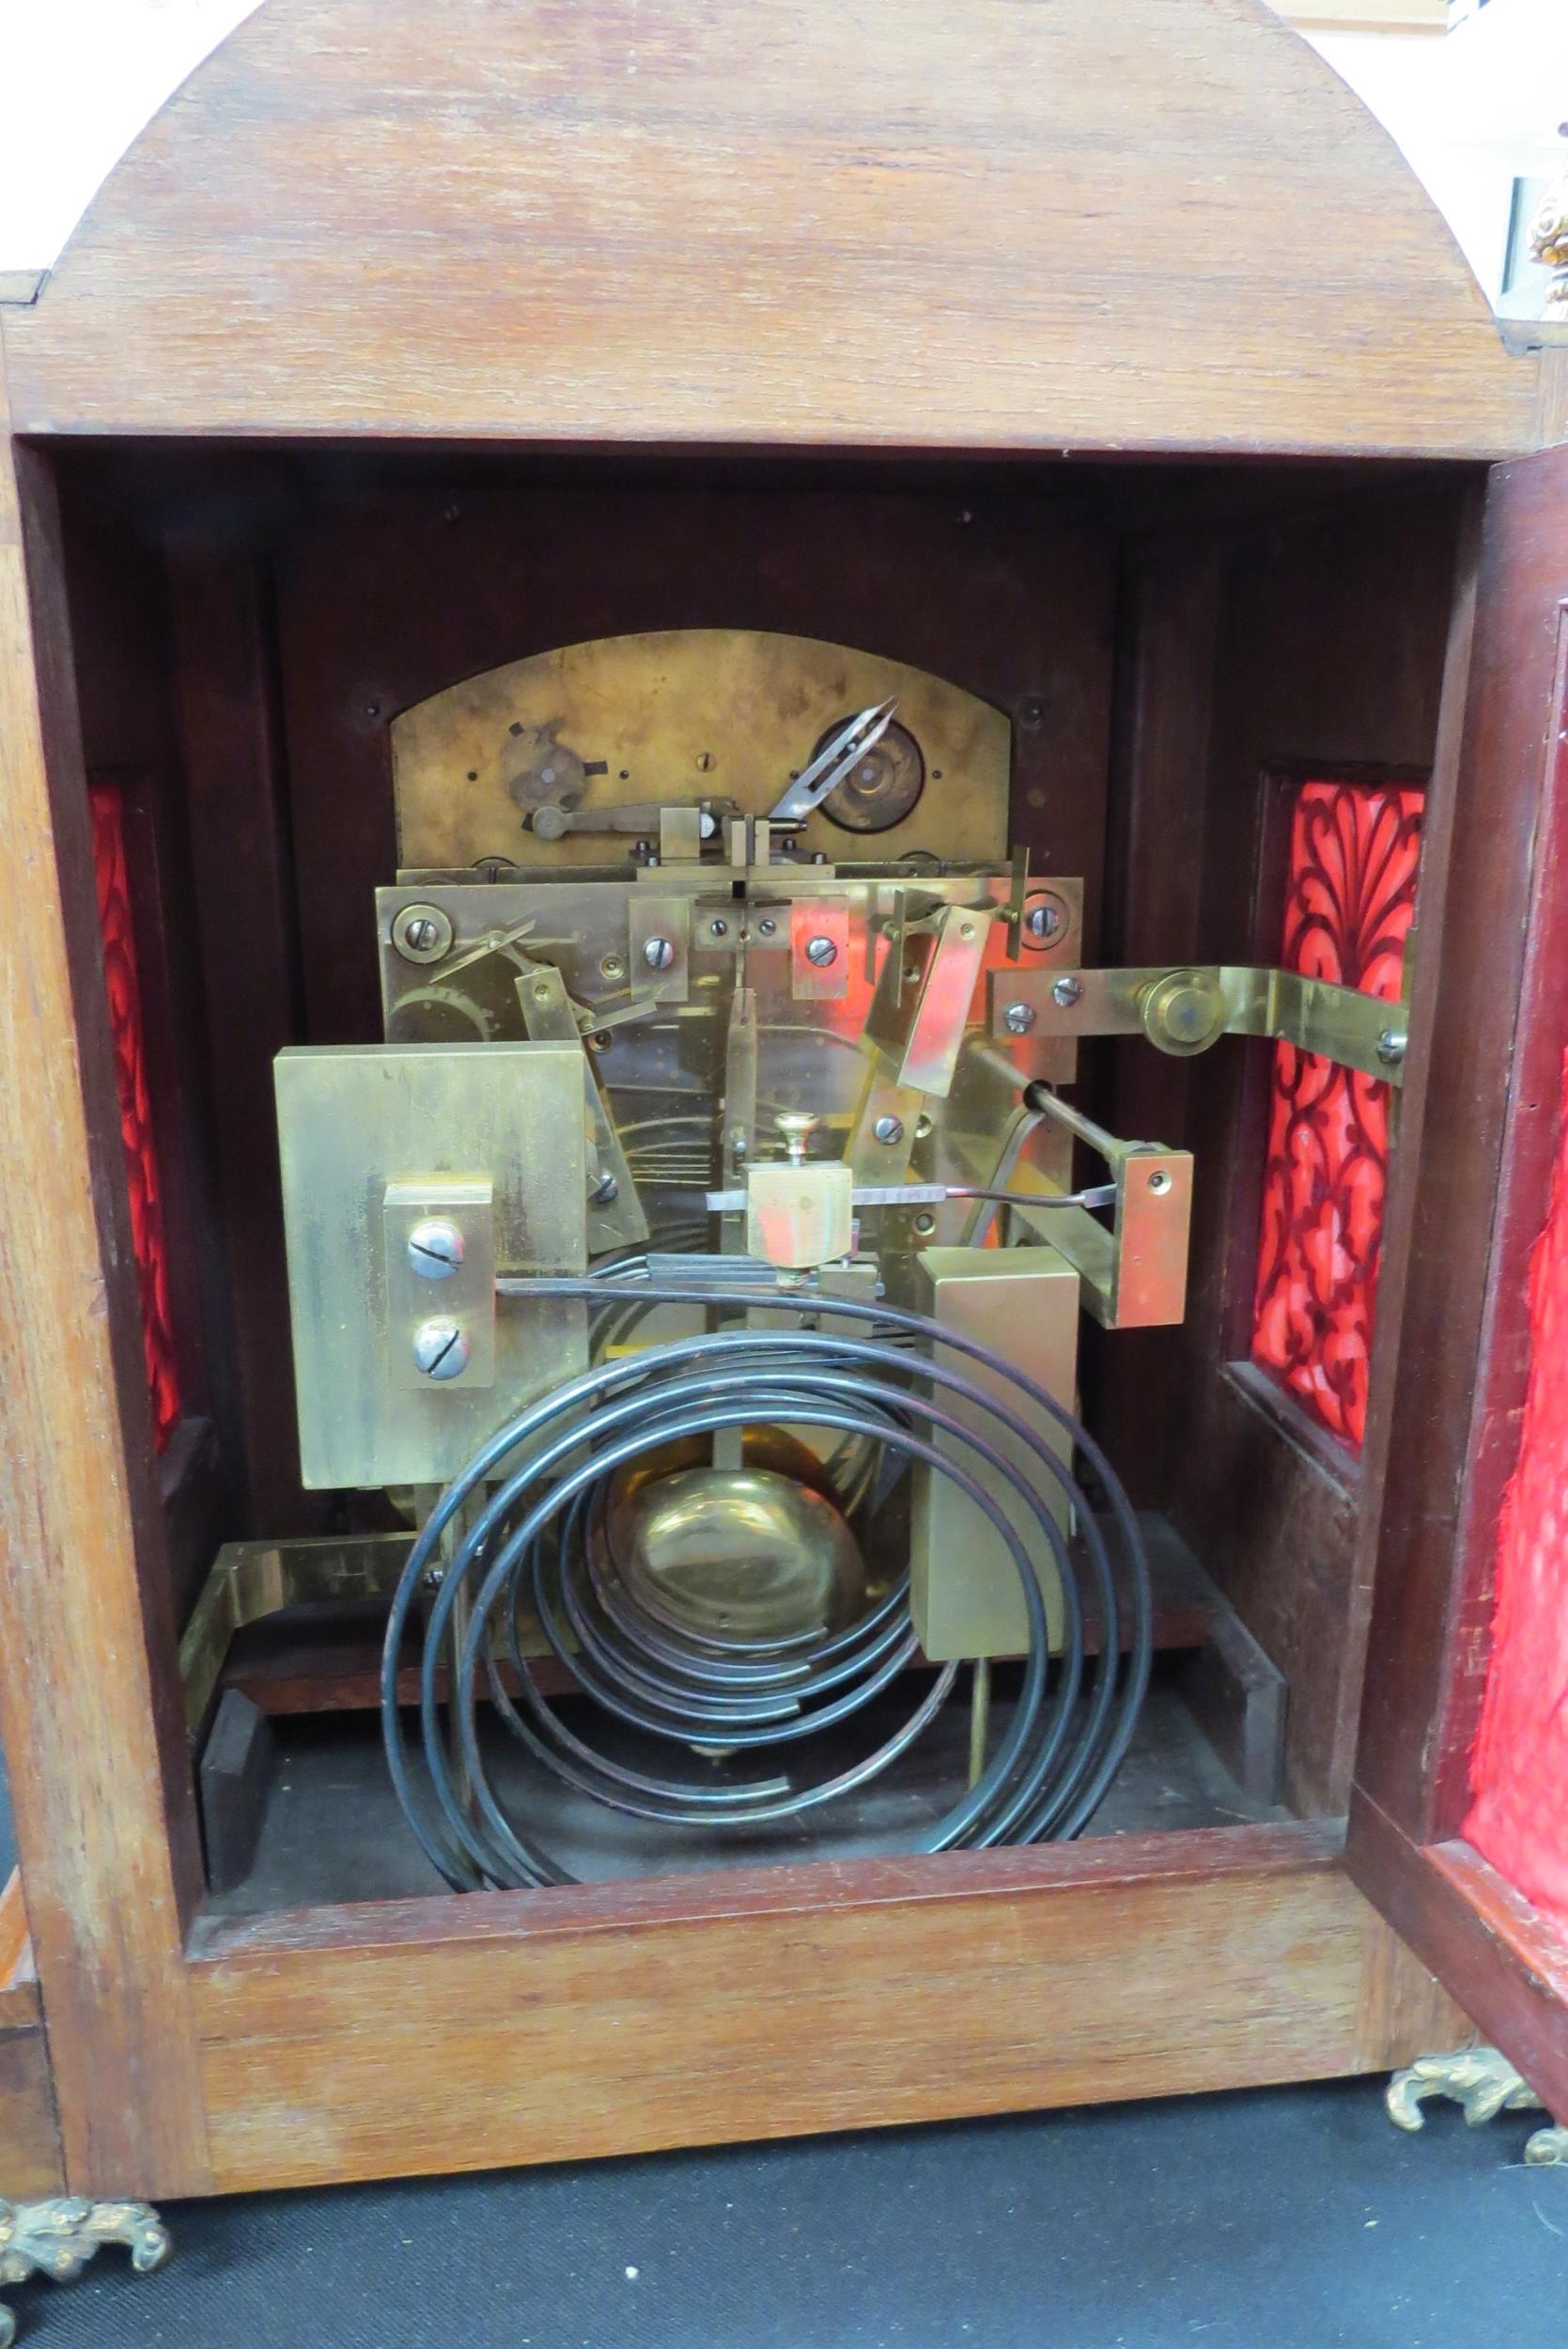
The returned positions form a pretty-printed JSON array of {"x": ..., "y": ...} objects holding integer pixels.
[{"x": 1309, "y": 644}]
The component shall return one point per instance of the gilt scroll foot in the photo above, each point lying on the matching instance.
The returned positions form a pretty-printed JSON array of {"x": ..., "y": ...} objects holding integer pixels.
[
  {"x": 1480, "y": 2079},
  {"x": 1547, "y": 2149},
  {"x": 58, "y": 2238}
]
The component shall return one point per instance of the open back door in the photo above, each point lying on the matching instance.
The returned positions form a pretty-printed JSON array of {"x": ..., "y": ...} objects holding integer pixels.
[{"x": 1459, "y": 1821}]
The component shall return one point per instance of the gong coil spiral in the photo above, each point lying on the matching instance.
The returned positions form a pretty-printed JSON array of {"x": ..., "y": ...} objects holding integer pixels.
[{"x": 528, "y": 1525}]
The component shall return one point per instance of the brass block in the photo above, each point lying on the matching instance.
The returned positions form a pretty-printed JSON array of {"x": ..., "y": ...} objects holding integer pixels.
[
  {"x": 964, "y": 1590},
  {"x": 799, "y": 1216},
  {"x": 353, "y": 1121}
]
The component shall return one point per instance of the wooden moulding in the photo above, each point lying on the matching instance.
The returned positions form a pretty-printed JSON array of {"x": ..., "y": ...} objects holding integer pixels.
[
  {"x": 1165, "y": 224},
  {"x": 456, "y": 2033}
]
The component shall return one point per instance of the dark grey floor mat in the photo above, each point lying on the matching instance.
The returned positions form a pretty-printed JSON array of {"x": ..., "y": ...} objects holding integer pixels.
[{"x": 1291, "y": 2217}]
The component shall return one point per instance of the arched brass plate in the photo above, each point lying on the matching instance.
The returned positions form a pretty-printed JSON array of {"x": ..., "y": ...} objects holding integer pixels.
[{"x": 678, "y": 715}]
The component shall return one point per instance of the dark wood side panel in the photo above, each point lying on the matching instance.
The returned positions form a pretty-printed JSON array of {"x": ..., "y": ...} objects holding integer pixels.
[
  {"x": 1495, "y": 1040},
  {"x": 1327, "y": 651},
  {"x": 119, "y": 616},
  {"x": 451, "y": 2034},
  {"x": 105, "y": 1820},
  {"x": 244, "y": 880}
]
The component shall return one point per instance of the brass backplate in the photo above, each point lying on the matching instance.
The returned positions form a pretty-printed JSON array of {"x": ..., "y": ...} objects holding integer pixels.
[
  {"x": 354, "y": 1120},
  {"x": 964, "y": 1591},
  {"x": 675, "y": 715}
]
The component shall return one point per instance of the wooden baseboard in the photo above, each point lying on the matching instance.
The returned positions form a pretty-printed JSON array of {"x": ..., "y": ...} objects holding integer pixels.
[{"x": 456, "y": 2033}]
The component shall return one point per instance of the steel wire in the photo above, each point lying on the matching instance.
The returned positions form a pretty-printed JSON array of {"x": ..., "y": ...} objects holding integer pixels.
[{"x": 528, "y": 1519}]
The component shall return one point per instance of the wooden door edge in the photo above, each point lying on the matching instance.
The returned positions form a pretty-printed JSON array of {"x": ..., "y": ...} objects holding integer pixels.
[{"x": 1499, "y": 1958}]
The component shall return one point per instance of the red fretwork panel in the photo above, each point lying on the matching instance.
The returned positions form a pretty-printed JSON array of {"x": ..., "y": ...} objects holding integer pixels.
[
  {"x": 1351, "y": 897},
  {"x": 1519, "y": 1770},
  {"x": 141, "y": 1159}
]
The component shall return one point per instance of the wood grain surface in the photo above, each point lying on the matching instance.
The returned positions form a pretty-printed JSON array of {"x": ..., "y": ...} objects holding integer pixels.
[
  {"x": 1015, "y": 224},
  {"x": 454, "y": 2034},
  {"x": 104, "y": 1820}
]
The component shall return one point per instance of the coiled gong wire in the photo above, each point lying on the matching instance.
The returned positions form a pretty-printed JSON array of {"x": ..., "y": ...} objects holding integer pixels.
[{"x": 867, "y": 1372}]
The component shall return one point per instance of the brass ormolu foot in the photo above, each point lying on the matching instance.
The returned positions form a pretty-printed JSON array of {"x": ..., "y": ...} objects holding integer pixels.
[
  {"x": 1482, "y": 2080},
  {"x": 58, "y": 2238}
]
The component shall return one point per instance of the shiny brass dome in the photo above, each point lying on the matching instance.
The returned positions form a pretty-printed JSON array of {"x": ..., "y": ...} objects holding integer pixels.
[{"x": 742, "y": 1554}]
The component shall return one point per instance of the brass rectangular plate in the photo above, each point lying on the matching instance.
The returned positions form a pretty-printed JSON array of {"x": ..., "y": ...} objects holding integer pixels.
[
  {"x": 1023, "y": 1304},
  {"x": 353, "y": 1120}
]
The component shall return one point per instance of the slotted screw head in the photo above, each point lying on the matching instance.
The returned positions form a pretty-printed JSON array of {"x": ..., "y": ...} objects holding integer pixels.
[
  {"x": 1066, "y": 993},
  {"x": 435, "y": 1248},
  {"x": 889, "y": 1129},
  {"x": 821, "y": 951},
  {"x": 441, "y": 1349},
  {"x": 422, "y": 933},
  {"x": 659, "y": 954},
  {"x": 1018, "y": 1019},
  {"x": 1391, "y": 1047}
]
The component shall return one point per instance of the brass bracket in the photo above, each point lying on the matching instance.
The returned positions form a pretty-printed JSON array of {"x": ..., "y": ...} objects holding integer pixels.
[
  {"x": 1133, "y": 1271},
  {"x": 251, "y": 1581},
  {"x": 1185, "y": 1009},
  {"x": 921, "y": 1004},
  {"x": 615, "y": 1211}
]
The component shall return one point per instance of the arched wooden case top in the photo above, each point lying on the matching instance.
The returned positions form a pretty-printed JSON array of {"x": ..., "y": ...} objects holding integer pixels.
[{"x": 1013, "y": 225}]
